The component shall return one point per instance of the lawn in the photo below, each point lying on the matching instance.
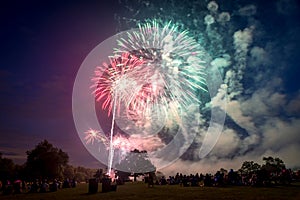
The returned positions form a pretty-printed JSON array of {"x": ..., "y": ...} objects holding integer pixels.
[{"x": 140, "y": 190}]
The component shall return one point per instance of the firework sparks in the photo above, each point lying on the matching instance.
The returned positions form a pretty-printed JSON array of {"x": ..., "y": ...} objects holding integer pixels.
[
  {"x": 119, "y": 142},
  {"x": 156, "y": 73},
  {"x": 116, "y": 79},
  {"x": 147, "y": 78},
  {"x": 123, "y": 143},
  {"x": 172, "y": 70},
  {"x": 94, "y": 135}
]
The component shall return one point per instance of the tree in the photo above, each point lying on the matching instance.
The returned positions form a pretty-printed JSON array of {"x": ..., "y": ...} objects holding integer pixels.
[
  {"x": 80, "y": 177},
  {"x": 7, "y": 167},
  {"x": 249, "y": 167},
  {"x": 68, "y": 172},
  {"x": 83, "y": 174},
  {"x": 99, "y": 174},
  {"x": 273, "y": 165},
  {"x": 136, "y": 163},
  {"x": 46, "y": 161}
]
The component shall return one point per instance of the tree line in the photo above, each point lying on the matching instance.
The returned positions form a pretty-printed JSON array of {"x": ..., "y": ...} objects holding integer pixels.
[
  {"x": 43, "y": 162},
  {"x": 48, "y": 162}
]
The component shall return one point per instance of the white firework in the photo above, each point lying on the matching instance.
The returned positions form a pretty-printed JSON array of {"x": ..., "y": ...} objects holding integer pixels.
[
  {"x": 172, "y": 74},
  {"x": 94, "y": 135}
]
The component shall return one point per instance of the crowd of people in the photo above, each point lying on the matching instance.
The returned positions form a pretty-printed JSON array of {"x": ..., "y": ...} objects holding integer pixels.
[
  {"x": 41, "y": 186},
  {"x": 223, "y": 178},
  {"x": 220, "y": 178}
]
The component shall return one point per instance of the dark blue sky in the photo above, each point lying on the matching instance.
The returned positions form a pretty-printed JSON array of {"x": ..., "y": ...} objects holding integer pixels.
[{"x": 42, "y": 46}]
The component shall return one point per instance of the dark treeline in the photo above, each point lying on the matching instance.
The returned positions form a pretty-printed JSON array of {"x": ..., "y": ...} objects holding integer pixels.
[{"x": 47, "y": 168}]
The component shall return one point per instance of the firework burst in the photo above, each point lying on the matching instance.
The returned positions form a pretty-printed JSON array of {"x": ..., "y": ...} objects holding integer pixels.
[
  {"x": 172, "y": 71},
  {"x": 164, "y": 71},
  {"x": 156, "y": 73},
  {"x": 117, "y": 78},
  {"x": 94, "y": 135},
  {"x": 119, "y": 142}
]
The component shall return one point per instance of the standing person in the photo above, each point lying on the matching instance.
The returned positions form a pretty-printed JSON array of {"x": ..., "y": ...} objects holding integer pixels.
[{"x": 151, "y": 179}]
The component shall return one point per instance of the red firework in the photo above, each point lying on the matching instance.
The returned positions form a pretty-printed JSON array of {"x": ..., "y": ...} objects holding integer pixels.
[{"x": 109, "y": 79}]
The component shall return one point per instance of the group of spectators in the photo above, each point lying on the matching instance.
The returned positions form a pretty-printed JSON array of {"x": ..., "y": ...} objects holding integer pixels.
[
  {"x": 222, "y": 178},
  {"x": 197, "y": 179},
  {"x": 18, "y": 186}
]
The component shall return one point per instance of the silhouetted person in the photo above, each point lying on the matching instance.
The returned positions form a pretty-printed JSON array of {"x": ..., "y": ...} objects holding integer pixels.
[
  {"x": 54, "y": 186},
  {"x": 66, "y": 184},
  {"x": 163, "y": 181},
  {"x": 34, "y": 187},
  {"x": 207, "y": 180},
  {"x": 17, "y": 187},
  {"x": 185, "y": 181},
  {"x": 233, "y": 178},
  {"x": 73, "y": 183},
  {"x": 23, "y": 186},
  {"x": 43, "y": 186},
  {"x": 151, "y": 179},
  {"x": 194, "y": 181},
  {"x": 7, "y": 188}
]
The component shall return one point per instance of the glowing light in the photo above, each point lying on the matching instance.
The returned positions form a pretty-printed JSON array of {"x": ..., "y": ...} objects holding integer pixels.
[
  {"x": 94, "y": 135},
  {"x": 154, "y": 80},
  {"x": 172, "y": 69},
  {"x": 160, "y": 79},
  {"x": 117, "y": 78}
]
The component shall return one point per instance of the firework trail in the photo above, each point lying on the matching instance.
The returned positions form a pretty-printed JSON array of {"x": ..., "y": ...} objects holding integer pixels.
[
  {"x": 113, "y": 85},
  {"x": 111, "y": 146}
]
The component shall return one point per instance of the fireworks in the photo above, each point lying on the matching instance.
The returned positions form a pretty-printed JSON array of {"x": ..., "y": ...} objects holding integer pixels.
[
  {"x": 164, "y": 71},
  {"x": 122, "y": 143},
  {"x": 154, "y": 76},
  {"x": 117, "y": 79},
  {"x": 119, "y": 142},
  {"x": 94, "y": 135}
]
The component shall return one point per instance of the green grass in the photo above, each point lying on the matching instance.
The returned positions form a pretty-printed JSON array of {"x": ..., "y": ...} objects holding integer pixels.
[{"x": 134, "y": 191}]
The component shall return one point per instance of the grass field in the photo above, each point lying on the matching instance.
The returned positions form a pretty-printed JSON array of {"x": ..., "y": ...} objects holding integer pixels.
[{"x": 134, "y": 191}]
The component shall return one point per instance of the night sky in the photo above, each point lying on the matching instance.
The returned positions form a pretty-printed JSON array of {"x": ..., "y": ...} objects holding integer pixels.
[
  {"x": 42, "y": 47},
  {"x": 44, "y": 43}
]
